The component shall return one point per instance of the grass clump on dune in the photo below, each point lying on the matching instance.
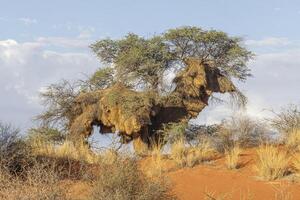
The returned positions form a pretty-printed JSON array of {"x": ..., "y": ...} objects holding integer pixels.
[
  {"x": 191, "y": 155},
  {"x": 178, "y": 152},
  {"x": 122, "y": 179},
  {"x": 292, "y": 141},
  {"x": 272, "y": 163},
  {"x": 232, "y": 157}
]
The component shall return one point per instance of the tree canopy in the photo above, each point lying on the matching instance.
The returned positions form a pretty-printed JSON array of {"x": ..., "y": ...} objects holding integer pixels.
[{"x": 143, "y": 61}]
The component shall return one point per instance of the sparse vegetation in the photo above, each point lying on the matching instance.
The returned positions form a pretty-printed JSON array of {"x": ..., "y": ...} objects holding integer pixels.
[
  {"x": 272, "y": 163},
  {"x": 287, "y": 120},
  {"x": 66, "y": 150},
  {"x": 178, "y": 152},
  {"x": 123, "y": 179},
  {"x": 191, "y": 155},
  {"x": 232, "y": 157},
  {"x": 156, "y": 166},
  {"x": 292, "y": 141},
  {"x": 40, "y": 183},
  {"x": 15, "y": 153},
  {"x": 296, "y": 163}
]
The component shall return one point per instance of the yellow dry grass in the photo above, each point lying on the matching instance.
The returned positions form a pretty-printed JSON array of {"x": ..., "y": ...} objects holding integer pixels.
[
  {"x": 200, "y": 153},
  {"x": 65, "y": 150},
  {"x": 232, "y": 157},
  {"x": 156, "y": 165},
  {"x": 293, "y": 141},
  {"x": 190, "y": 156},
  {"x": 272, "y": 163},
  {"x": 296, "y": 163},
  {"x": 178, "y": 152}
]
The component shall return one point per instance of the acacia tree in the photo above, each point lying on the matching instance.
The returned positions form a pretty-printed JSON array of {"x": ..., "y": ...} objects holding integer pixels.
[
  {"x": 127, "y": 95},
  {"x": 140, "y": 60}
]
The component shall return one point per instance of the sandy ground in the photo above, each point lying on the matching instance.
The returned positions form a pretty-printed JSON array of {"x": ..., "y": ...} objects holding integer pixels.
[
  {"x": 215, "y": 180},
  {"x": 242, "y": 184}
]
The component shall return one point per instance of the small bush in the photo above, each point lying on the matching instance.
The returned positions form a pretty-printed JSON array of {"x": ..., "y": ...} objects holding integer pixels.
[
  {"x": 15, "y": 154},
  {"x": 232, "y": 157},
  {"x": 123, "y": 180},
  {"x": 287, "y": 120},
  {"x": 242, "y": 130},
  {"x": 272, "y": 163},
  {"x": 40, "y": 183}
]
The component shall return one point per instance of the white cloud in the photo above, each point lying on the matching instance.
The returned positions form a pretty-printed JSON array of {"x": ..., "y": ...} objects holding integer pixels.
[
  {"x": 27, "y": 21},
  {"x": 26, "y": 68},
  {"x": 269, "y": 41}
]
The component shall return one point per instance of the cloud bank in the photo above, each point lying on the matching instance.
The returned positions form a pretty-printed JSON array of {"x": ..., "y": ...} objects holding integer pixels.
[{"x": 27, "y": 67}]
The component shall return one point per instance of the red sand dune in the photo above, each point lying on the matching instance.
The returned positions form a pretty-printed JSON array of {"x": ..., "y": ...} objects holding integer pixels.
[{"x": 242, "y": 184}]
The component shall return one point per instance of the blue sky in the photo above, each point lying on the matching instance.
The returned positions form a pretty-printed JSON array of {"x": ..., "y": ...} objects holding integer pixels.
[
  {"x": 254, "y": 19},
  {"x": 42, "y": 42}
]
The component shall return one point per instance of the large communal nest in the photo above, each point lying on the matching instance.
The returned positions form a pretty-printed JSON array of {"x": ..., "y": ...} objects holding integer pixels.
[
  {"x": 139, "y": 115},
  {"x": 116, "y": 109}
]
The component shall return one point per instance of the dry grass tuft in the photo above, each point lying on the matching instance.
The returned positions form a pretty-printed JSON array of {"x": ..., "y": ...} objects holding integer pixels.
[
  {"x": 296, "y": 163},
  {"x": 109, "y": 156},
  {"x": 156, "y": 166},
  {"x": 191, "y": 156},
  {"x": 293, "y": 141},
  {"x": 66, "y": 150},
  {"x": 272, "y": 163},
  {"x": 200, "y": 153},
  {"x": 123, "y": 180},
  {"x": 232, "y": 157},
  {"x": 178, "y": 152}
]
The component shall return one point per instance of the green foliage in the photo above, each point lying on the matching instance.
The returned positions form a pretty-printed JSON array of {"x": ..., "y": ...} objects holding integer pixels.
[
  {"x": 136, "y": 59},
  {"x": 212, "y": 47},
  {"x": 143, "y": 61},
  {"x": 101, "y": 79}
]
